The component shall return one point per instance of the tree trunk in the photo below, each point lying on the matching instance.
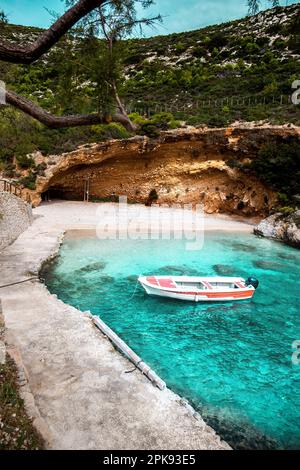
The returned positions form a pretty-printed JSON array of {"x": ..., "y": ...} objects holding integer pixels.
[
  {"x": 121, "y": 107},
  {"x": 27, "y": 54},
  {"x": 30, "y": 53},
  {"x": 57, "y": 122}
]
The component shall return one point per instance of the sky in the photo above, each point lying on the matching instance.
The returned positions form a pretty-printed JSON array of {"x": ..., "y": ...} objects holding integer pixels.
[{"x": 179, "y": 15}]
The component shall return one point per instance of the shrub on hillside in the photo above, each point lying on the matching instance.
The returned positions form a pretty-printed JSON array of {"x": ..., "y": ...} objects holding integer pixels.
[
  {"x": 218, "y": 40},
  {"x": 180, "y": 47},
  {"x": 25, "y": 162},
  {"x": 41, "y": 168},
  {"x": 110, "y": 131},
  {"x": 275, "y": 28},
  {"x": 262, "y": 41},
  {"x": 199, "y": 52},
  {"x": 294, "y": 44},
  {"x": 286, "y": 210},
  {"x": 162, "y": 120},
  {"x": 174, "y": 124},
  {"x": 149, "y": 129},
  {"x": 9, "y": 170},
  {"x": 217, "y": 121},
  {"x": 194, "y": 120},
  {"x": 136, "y": 118},
  {"x": 158, "y": 122},
  {"x": 279, "y": 44},
  {"x": 29, "y": 181}
]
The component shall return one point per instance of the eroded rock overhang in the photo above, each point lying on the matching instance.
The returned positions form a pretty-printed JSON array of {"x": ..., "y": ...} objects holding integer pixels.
[{"x": 189, "y": 165}]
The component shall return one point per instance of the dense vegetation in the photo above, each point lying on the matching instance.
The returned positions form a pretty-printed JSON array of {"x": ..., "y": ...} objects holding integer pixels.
[
  {"x": 278, "y": 165},
  {"x": 245, "y": 69},
  {"x": 240, "y": 70}
]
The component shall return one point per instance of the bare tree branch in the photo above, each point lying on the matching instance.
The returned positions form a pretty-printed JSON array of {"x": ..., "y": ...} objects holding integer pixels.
[
  {"x": 27, "y": 54},
  {"x": 254, "y": 5},
  {"x": 56, "y": 122}
]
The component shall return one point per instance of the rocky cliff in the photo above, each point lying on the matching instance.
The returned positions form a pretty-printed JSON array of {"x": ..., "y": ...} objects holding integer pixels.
[
  {"x": 282, "y": 228},
  {"x": 188, "y": 165}
]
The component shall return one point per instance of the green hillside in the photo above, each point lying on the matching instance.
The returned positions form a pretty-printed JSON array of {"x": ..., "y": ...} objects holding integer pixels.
[{"x": 247, "y": 66}]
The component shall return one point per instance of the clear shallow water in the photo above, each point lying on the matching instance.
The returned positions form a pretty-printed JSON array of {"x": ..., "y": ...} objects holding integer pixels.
[{"x": 231, "y": 360}]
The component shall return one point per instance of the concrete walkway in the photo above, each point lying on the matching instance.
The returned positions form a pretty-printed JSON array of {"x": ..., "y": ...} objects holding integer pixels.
[{"x": 81, "y": 397}]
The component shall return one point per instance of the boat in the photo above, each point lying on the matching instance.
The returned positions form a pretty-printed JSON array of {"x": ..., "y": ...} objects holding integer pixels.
[{"x": 200, "y": 289}]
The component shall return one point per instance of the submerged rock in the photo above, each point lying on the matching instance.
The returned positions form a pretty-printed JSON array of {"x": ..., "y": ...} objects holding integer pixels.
[
  {"x": 106, "y": 279},
  {"x": 132, "y": 277},
  {"x": 243, "y": 247},
  {"x": 178, "y": 270},
  {"x": 270, "y": 265},
  {"x": 89, "y": 268},
  {"x": 286, "y": 257},
  {"x": 282, "y": 228},
  {"x": 239, "y": 433},
  {"x": 223, "y": 269},
  {"x": 238, "y": 246}
]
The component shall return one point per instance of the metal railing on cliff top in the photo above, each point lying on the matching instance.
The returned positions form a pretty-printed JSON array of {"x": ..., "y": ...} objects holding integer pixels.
[{"x": 10, "y": 187}]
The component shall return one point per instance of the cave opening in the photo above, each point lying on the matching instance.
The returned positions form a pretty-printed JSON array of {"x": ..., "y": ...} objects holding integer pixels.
[{"x": 62, "y": 193}]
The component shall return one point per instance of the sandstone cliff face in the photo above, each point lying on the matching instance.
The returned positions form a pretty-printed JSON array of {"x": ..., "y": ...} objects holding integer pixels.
[{"x": 184, "y": 166}]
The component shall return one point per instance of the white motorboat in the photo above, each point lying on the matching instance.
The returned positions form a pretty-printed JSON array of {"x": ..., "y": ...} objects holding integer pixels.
[{"x": 200, "y": 289}]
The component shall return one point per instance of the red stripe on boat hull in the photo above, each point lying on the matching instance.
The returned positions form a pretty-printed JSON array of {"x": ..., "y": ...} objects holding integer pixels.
[{"x": 216, "y": 295}]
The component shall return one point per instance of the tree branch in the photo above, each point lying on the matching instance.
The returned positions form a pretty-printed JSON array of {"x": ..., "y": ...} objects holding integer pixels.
[
  {"x": 26, "y": 55},
  {"x": 57, "y": 122}
]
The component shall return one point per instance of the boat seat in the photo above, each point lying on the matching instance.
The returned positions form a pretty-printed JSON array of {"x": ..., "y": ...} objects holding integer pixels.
[
  {"x": 238, "y": 284},
  {"x": 152, "y": 280},
  {"x": 207, "y": 284},
  {"x": 167, "y": 283}
]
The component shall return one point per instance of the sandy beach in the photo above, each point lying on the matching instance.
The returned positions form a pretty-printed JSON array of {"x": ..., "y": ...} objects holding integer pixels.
[{"x": 71, "y": 215}]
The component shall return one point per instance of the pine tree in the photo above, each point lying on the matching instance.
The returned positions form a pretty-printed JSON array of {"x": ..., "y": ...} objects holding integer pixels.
[{"x": 114, "y": 21}]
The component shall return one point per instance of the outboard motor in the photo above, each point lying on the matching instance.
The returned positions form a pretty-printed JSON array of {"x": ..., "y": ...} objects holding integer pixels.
[{"x": 252, "y": 281}]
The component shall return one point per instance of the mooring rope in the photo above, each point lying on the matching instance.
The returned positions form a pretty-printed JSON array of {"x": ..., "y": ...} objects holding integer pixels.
[
  {"x": 135, "y": 368},
  {"x": 131, "y": 297},
  {"x": 19, "y": 282}
]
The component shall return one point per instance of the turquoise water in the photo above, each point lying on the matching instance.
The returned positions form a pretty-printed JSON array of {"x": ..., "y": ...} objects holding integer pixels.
[{"x": 231, "y": 360}]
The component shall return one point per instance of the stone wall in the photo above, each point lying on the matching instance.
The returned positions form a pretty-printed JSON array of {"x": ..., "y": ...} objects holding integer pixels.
[{"x": 15, "y": 217}]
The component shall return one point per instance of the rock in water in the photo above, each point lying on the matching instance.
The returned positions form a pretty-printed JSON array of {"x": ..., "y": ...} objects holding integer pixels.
[
  {"x": 89, "y": 268},
  {"x": 282, "y": 228},
  {"x": 223, "y": 269},
  {"x": 270, "y": 265},
  {"x": 178, "y": 271}
]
